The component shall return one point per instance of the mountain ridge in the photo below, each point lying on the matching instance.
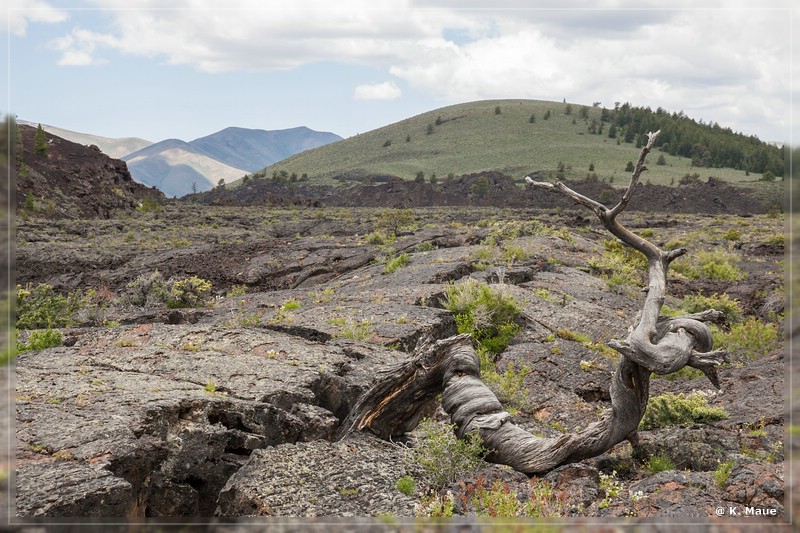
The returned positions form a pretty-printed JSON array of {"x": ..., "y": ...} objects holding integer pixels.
[{"x": 177, "y": 167}]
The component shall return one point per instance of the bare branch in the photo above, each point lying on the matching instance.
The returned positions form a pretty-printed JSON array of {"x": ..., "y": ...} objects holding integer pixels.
[{"x": 637, "y": 172}]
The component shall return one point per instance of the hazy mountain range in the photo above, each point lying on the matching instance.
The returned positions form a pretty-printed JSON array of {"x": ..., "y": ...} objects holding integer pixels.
[{"x": 177, "y": 167}]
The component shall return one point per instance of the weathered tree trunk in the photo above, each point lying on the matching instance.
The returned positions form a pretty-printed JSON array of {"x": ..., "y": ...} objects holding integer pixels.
[{"x": 403, "y": 394}]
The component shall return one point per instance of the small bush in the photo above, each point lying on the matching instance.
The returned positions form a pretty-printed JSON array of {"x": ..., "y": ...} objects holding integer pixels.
[
  {"x": 749, "y": 340},
  {"x": 619, "y": 265},
  {"x": 659, "y": 463},
  {"x": 723, "y": 472},
  {"x": 189, "y": 292},
  {"x": 378, "y": 238},
  {"x": 732, "y": 235},
  {"x": 41, "y": 307},
  {"x": 610, "y": 486},
  {"x": 236, "y": 291},
  {"x": 291, "y": 304},
  {"x": 717, "y": 264},
  {"x": 434, "y": 505},
  {"x": 394, "y": 263},
  {"x": 697, "y": 303},
  {"x": 669, "y": 409},
  {"x": 406, "y": 485},
  {"x": 442, "y": 456},
  {"x": 354, "y": 330},
  {"x": 147, "y": 290},
  {"x": 508, "y": 386},
  {"x": 498, "y": 501},
  {"x": 148, "y": 205},
  {"x": 41, "y": 340},
  {"x": 150, "y": 290},
  {"x": 486, "y": 312}
]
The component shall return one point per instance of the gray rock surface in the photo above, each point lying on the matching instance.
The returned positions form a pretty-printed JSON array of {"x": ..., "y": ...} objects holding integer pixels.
[{"x": 230, "y": 409}]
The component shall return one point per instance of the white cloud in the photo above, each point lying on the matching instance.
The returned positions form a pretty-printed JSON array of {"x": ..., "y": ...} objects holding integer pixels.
[
  {"x": 387, "y": 90},
  {"x": 711, "y": 61},
  {"x": 79, "y": 47},
  {"x": 19, "y": 13}
]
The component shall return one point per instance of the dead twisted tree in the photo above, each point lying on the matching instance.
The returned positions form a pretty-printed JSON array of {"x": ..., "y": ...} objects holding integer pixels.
[{"x": 655, "y": 344}]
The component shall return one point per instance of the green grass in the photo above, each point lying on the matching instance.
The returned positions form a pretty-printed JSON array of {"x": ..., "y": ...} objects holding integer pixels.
[
  {"x": 669, "y": 409},
  {"x": 471, "y": 138}
]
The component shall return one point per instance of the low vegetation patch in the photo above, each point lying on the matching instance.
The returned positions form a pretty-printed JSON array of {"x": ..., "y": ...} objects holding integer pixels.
[
  {"x": 723, "y": 472},
  {"x": 697, "y": 303},
  {"x": 749, "y": 340},
  {"x": 152, "y": 290},
  {"x": 487, "y": 313},
  {"x": 40, "y": 306},
  {"x": 442, "y": 456},
  {"x": 659, "y": 463},
  {"x": 619, "y": 265},
  {"x": 393, "y": 263},
  {"x": 670, "y": 410},
  {"x": 718, "y": 264},
  {"x": 41, "y": 340}
]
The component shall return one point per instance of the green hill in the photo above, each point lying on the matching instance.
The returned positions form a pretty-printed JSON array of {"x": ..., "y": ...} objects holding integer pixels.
[{"x": 521, "y": 137}]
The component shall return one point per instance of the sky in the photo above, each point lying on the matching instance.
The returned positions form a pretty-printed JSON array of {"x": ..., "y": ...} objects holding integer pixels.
[{"x": 188, "y": 68}]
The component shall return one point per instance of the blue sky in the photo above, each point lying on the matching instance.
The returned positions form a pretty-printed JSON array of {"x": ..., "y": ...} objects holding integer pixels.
[{"x": 185, "y": 69}]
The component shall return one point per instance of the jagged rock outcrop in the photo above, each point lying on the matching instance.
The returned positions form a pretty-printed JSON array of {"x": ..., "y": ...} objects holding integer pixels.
[{"x": 74, "y": 181}]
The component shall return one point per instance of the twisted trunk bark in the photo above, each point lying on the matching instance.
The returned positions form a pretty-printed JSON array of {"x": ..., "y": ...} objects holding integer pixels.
[{"x": 451, "y": 367}]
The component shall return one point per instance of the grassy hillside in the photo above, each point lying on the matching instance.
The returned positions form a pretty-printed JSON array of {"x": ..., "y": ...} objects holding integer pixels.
[{"x": 490, "y": 135}]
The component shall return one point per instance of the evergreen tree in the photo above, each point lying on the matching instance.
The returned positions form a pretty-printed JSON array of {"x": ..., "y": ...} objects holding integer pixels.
[{"x": 40, "y": 142}]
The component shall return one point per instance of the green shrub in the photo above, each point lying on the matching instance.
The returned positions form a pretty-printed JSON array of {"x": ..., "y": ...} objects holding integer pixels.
[
  {"x": 436, "y": 506},
  {"x": 442, "y": 456},
  {"x": 717, "y": 264},
  {"x": 236, "y": 291},
  {"x": 619, "y": 265},
  {"x": 379, "y": 238},
  {"x": 41, "y": 307},
  {"x": 189, "y": 292},
  {"x": 41, "y": 339},
  {"x": 610, "y": 486},
  {"x": 749, "y": 340},
  {"x": 723, "y": 472},
  {"x": 659, "y": 463},
  {"x": 697, "y": 303},
  {"x": 291, "y": 304},
  {"x": 406, "y": 485},
  {"x": 732, "y": 235},
  {"x": 484, "y": 311},
  {"x": 669, "y": 409},
  {"x": 508, "y": 386},
  {"x": 149, "y": 290},
  {"x": 776, "y": 239},
  {"x": 351, "y": 329},
  {"x": 391, "y": 220},
  {"x": 394, "y": 263},
  {"x": 498, "y": 501}
]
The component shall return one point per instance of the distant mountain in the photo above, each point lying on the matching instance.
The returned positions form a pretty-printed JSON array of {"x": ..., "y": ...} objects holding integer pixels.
[
  {"x": 112, "y": 147},
  {"x": 255, "y": 149},
  {"x": 178, "y": 168}
]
